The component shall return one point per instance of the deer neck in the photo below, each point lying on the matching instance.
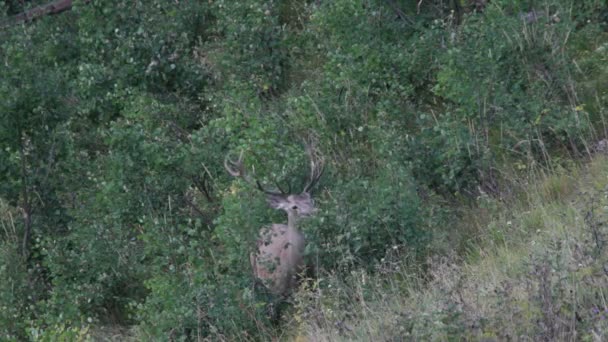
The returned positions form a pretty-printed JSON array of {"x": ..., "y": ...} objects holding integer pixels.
[{"x": 292, "y": 220}]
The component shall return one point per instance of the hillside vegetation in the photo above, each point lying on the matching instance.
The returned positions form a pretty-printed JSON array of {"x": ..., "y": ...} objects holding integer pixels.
[
  {"x": 460, "y": 199},
  {"x": 538, "y": 271}
]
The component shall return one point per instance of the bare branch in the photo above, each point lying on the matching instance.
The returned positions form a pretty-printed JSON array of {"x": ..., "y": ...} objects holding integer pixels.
[
  {"x": 395, "y": 7},
  {"x": 203, "y": 186}
]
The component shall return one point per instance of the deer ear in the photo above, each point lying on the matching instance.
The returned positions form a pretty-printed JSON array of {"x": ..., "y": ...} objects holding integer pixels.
[{"x": 276, "y": 201}]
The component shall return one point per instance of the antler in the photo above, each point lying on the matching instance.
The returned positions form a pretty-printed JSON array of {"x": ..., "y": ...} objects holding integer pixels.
[
  {"x": 317, "y": 163},
  {"x": 236, "y": 168}
]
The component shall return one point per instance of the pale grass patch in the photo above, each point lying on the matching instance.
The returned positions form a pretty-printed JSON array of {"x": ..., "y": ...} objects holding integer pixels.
[{"x": 498, "y": 291}]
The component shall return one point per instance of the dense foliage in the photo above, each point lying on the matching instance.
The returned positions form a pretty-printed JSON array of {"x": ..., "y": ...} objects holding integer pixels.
[{"x": 115, "y": 118}]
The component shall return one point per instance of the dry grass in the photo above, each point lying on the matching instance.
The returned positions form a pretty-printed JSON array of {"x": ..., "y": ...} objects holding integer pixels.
[{"x": 538, "y": 271}]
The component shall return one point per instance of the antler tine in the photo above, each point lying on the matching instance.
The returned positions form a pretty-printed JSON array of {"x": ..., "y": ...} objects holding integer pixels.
[
  {"x": 269, "y": 192},
  {"x": 234, "y": 168},
  {"x": 317, "y": 164},
  {"x": 237, "y": 169},
  {"x": 281, "y": 189}
]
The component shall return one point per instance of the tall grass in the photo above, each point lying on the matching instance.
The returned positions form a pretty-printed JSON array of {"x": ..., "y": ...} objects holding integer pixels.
[{"x": 538, "y": 270}]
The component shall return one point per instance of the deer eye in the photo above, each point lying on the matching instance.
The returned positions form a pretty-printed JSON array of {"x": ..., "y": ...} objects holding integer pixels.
[{"x": 294, "y": 207}]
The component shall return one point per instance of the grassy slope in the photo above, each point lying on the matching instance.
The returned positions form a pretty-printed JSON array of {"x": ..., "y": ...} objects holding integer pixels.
[{"x": 538, "y": 270}]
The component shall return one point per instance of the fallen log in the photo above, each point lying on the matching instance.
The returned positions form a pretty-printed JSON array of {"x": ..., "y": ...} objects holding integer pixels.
[{"x": 54, "y": 7}]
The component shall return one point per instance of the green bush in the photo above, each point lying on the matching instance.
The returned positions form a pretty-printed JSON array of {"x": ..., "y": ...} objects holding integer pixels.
[
  {"x": 60, "y": 333},
  {"x": 115, "y": 118},
  {"x": 365, "y": 218}
]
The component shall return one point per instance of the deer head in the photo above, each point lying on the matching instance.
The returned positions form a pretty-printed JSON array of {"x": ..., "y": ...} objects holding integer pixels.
[{"x": 279, "y": 255}]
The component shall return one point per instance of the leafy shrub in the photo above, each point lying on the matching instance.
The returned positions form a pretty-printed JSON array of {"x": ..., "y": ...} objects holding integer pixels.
[
  {"x": 365, "y": 218},
  {"x": 115, "y": 118},
  {"x": 60, "y": 333}
]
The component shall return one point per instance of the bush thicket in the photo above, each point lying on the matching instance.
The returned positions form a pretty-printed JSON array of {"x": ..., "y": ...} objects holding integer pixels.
[{"x": 115, "y": 118}]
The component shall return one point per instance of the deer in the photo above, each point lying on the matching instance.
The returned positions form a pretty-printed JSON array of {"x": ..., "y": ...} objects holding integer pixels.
[{"x": 278, "y": 260}]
